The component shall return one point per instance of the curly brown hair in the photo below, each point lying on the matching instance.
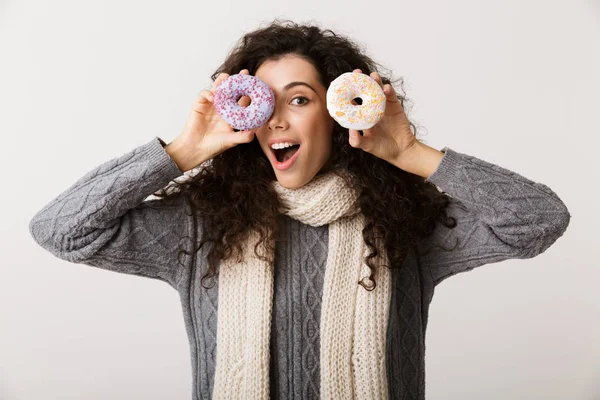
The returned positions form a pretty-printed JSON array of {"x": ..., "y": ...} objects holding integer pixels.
[{"x": 232, "y": 193}]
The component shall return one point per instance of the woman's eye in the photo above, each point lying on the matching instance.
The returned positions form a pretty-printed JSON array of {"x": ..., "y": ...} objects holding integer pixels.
[{"x": 301, "y": 97}]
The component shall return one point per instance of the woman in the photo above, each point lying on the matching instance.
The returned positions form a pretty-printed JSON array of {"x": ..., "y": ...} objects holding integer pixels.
[{"x": 304, "y": 302}]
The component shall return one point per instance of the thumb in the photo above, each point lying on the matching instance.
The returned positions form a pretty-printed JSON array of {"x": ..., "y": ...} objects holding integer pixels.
[
  {"x": 355, "y": 139},
  {"x": 243, "y": 136}
]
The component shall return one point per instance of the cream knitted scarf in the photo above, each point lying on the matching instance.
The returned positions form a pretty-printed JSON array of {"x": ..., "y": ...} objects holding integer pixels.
[{"x": 353, "y": 320}]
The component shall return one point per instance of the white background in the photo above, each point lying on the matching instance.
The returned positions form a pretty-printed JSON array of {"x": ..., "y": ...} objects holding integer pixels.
[{"x": 515, "y": 83}]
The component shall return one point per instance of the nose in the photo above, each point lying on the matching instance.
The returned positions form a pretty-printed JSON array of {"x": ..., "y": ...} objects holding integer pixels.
[{"x": 276, "y": 121}]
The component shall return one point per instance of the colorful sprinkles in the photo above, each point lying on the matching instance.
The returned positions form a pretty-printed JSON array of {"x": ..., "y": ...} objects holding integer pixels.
[
  {"x": 351, "y": 85},
  {"x": 259, "y": 111}
]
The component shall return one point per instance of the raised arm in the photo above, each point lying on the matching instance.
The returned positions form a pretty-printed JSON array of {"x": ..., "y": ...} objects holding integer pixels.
[
  {"x": 102, "y": 221},
  {"x": 500, "y": 215}
]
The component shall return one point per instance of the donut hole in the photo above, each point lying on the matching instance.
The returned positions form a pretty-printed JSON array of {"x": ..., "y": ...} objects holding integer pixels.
[
  {"x": 357, "y": 101},
  {"x": 244, "y": 101}
]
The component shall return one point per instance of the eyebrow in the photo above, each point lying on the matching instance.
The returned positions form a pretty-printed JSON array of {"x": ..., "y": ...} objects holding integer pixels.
[{"x": 296, "y": 83}]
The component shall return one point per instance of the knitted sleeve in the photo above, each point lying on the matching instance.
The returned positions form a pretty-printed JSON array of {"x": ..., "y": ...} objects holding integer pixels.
[
  {"x": 102, "y": 220},
  {"x": 499, "y": 213}
]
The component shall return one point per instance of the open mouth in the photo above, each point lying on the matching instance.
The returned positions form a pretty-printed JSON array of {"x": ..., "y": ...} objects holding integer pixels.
[{"x": 282, "y": 155}]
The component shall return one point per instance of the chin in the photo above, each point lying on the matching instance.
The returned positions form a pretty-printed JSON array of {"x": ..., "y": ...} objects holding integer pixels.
[{"x": 289, "y": 182}]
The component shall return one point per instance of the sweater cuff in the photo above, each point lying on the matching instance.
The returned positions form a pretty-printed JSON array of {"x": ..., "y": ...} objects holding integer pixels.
[
  {"x": 162, "y": 142},
  {"x": 159, "y": 159},
  {"x": 447, "y": 169}
]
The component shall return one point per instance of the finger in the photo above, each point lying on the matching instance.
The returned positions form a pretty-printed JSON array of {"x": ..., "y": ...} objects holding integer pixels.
[
  {"x": 390, "y": 93},
  {"x": 355, "y": 139},
  {"x": 205, "y": 96},
  {"x": 358, "y": 70},
  {"x": 245, "y": 72},
  {"x": 222, "y": 76},
  {"x": 377, "y": 78}
]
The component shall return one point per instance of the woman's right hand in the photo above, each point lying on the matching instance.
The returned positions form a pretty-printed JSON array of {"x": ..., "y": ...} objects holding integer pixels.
[{"x": 205, "y": 134}]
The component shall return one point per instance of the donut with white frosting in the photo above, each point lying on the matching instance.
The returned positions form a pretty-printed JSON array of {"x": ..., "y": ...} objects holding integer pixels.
[{"x": 349, "y": 86}]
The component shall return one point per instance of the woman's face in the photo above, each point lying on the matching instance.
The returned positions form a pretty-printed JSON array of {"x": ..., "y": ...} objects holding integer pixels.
[{"x": 300, "y": 116}]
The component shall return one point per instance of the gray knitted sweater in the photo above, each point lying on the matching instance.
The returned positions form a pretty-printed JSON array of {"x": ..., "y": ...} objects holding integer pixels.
[{"x": 103, "y": 221}]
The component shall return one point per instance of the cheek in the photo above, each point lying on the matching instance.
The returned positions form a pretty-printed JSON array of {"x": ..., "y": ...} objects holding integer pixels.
[{"x": 321, "y": 141}]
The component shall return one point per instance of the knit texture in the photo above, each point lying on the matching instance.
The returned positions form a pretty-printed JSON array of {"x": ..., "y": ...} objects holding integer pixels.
[
  {"x": 106, "y": 220},
  {"x": 354, "y": 321}
]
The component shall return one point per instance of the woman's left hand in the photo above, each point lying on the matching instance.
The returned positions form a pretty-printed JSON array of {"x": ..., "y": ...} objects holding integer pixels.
[{"x": 391, "y": 136}]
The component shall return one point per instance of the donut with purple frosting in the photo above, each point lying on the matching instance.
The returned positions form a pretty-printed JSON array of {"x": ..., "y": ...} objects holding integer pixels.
[{"x": 262, "y": 101}]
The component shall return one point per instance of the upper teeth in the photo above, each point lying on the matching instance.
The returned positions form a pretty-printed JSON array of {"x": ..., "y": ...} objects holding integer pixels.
[{"x": 282, "y": 145}]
